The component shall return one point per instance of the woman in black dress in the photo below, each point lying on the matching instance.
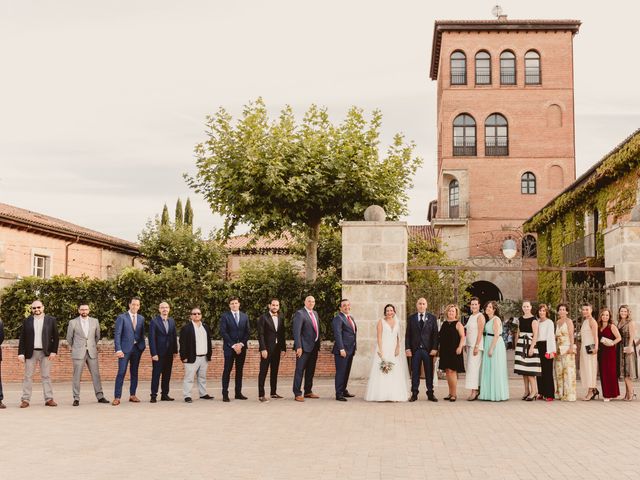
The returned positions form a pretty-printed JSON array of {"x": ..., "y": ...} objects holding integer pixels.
[{"x": 451, "y": 344}]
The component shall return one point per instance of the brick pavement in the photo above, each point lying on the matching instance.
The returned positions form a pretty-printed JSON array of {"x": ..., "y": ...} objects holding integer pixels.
[{"x": 320, "y": 439}]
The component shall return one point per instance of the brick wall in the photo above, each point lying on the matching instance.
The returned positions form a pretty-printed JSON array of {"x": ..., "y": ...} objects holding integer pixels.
[{"x": 13, "y": 370}]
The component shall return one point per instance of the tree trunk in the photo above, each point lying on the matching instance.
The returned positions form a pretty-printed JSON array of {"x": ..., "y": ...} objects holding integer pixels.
[{"x": 311, "y": 268}]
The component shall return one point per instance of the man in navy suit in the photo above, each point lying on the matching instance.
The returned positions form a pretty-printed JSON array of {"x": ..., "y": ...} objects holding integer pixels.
[
  {"x": 163, "y": 344},
  {"x": 421, "y": 344},
  {"x": 344, "y": 348},
  {"x": 234, "y": 330},
  {"x": 128, "y": 338},
  {"x": 306, "y": 343}
]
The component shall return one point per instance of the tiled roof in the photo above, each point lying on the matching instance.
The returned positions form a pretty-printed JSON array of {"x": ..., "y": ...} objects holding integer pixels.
[
  {"x": 22, "y": 218},
  {"x": 423, "y": 232},
  {"x": 492, "y": 25}
]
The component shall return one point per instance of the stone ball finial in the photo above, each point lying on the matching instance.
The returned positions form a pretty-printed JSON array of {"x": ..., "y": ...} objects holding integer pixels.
[
  {"x": 635, "y": 213},
  {"x": 375, "y": 213}
]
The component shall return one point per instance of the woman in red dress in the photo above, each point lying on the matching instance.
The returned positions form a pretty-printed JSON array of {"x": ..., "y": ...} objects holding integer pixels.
[{"x": 607, "y": 359}]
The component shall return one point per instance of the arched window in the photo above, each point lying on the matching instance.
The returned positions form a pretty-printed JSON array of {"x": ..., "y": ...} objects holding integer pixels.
[
  {"x": 507, "y": 68},
  {"x": 529, "y": 247},
  {"x": 483, "y": 68},
  {"x": 532, "y": 68},
  {"x": 528, "y": 183},
  {"x": 458, "y": 68},
  {"x": 464, "y": 135},
  {"x": 496, "y": 136},
  {"x": 454, "y": 199}
]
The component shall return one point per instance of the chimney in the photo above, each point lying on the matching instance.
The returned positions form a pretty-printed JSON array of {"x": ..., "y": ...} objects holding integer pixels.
[{"x": 502, "y": 18}]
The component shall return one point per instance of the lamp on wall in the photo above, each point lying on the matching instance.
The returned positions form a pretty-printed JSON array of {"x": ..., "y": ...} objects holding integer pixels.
[{"x": 509, "y": 248}]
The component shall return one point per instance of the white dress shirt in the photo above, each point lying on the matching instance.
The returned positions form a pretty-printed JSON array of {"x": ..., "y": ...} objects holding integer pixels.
[
  {"x": 546, "y": 333},
  {"x": 38, "y": 322},
  {"x": 275, "y": 324},
  {"x": 201, "y": 338},
  {"x": 84, "y": 323}
]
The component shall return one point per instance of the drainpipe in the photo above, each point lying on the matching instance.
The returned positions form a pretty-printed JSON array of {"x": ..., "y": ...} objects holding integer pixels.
[{"x": 66, "y": 254}]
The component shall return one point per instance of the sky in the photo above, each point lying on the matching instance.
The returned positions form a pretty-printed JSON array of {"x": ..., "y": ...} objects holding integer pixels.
[{"x": 102, "y": 103}]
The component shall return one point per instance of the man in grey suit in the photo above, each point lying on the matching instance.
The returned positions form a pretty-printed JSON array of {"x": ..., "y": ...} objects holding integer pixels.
[{"x": 83, "y": 334}]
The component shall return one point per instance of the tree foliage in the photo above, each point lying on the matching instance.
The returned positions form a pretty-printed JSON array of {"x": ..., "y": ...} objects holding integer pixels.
[
  {"x": 277, "y": 175},
  {"x": 188, "y": 214},
  {"x": 179, "y": 215},
  {"x": 164, "y": 219}
]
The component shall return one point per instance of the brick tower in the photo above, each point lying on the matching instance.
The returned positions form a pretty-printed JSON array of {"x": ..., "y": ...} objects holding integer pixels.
[{"x": 505, "y": 138}]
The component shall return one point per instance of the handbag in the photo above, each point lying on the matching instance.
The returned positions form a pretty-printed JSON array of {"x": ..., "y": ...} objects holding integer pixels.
[
  {"x": 607, "y": 342},
  {"x": 590, "y": 348}
]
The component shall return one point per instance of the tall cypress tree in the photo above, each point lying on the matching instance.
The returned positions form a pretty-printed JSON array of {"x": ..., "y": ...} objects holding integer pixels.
[
  {"x": 179, "y": 214},
  {"x": 164, "y": 220},
  {"x": 188, "y": 214}
]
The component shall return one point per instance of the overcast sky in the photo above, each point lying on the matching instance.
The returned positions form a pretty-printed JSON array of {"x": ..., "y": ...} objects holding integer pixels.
[{"x": 102, "y": 102}]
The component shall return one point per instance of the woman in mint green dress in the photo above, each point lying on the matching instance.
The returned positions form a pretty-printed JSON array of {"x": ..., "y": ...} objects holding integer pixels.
[{"x": 494, "y": 383}]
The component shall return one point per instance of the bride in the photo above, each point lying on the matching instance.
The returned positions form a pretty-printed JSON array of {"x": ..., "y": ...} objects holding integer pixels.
[{"x": 392, "y": 386}]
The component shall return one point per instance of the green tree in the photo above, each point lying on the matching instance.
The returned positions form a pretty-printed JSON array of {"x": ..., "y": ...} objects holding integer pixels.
[
  {"x": 188, "y": 214},
  {"x": 165, "y": 216},
  {"x": 179, "y": 214},
  {"x": 277, "y": 175}
]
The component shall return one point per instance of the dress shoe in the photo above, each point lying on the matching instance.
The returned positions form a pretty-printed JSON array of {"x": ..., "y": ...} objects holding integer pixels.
[
  {"x": 348, "y": 395},
  {"x": 341, "y": 399},
  {"x": 188, "y": 400},
  {"x": 116, "y": 402},
  {"x": 299, "y": 398},
  {"x": 2, "y": 405},
  {"x": 103, "y": 400},
  {"x": 414, "y": 397},
  {"x": 167, "y": 398},
  {"x": 275, "y": 395},
  {"x": 76, "y": 403},
  {"x": 225, "y": 398},
  {"x": 263, "y": 399},
  {"x": 240, "y": 396},
  {"x": 206, "y": 397},
  {"x": 431, "y": 397},
  {"x": 24, "y": 404},
  {"x": 51, "y": 403},
  {"x": 153, "y": 400},
  {"x": 134, "y": 399},
  {"x": 311, "y": 395}
]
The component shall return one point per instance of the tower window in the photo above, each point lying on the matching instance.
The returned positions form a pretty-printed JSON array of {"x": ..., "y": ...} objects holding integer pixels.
[
  {"x": 458, "y": 68},
  {"x": 528, "y": 184},
  {"x": 507, "y": 68},
  {"x": 496, "y": 136},
  {"x": 532, "y": 68},
  {"x": 454, "y": 199},
  {"x": 464, "y": 135},
  {"x": 483, "y": 68}
]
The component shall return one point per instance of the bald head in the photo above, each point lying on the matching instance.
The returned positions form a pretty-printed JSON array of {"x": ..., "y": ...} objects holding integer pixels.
[{"x": 309, "y": 302}]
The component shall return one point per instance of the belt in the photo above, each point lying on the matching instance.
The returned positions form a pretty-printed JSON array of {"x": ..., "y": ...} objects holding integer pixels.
[
  {"x": 484, "y": 334},
  {"x": 37, "y": 349},
  {"x": 201, "y": 355}
]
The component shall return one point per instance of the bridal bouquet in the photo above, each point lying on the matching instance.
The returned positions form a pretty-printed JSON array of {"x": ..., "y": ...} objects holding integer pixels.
[{"x": 386, "y": 367}]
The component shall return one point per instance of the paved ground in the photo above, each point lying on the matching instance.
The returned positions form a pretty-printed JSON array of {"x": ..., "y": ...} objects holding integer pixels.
[{"x": 320, "y": 439}]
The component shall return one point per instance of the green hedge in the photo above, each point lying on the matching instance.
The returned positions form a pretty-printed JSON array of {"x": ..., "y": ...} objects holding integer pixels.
[{"x": 256, "y": 284}]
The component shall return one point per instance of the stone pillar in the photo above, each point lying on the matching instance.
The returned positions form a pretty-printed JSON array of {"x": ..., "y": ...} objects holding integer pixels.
[
  {"x": 374, "y": 273},
  {"x": 622, "y": 251}
]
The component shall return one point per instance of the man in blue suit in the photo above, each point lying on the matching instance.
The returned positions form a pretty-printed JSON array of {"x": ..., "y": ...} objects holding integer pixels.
[
  {"x": 344, "y": 348},
  {"x": 163, "y": 344},
  {"x": 421, "y": 344},
  {"x": 306, "y": 343},
  {"x": 128, "y": 338},
  {"x": 234, "y": 330}
]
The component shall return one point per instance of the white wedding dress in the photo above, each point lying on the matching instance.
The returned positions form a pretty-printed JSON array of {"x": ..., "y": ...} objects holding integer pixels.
[{"x": 393, "y": 386}]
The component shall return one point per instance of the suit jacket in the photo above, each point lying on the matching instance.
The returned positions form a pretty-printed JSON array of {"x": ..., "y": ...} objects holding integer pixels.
[
  {"x": 267, "y": 334},
  {"x": 304, "y": 335},
  {"x": 188, "y": 342},
  {"x": 78, "y": 343},
  {"x": 49, "y": 337},
  {"x": 1, "y": 338},
  {"x": 428, "y": 336},
  {"x": 233, "y": 333},
  {"x": 162, "y": 342},
  {"x": 124, "y": 338},
  {"x": 344, "y": 336}
]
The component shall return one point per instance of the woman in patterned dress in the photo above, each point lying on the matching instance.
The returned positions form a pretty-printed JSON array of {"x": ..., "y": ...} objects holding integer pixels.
[
  {"x": 565, "y": 362},
  {"x": 628, "y": 352},
  {"x": 527, "y": 360}
]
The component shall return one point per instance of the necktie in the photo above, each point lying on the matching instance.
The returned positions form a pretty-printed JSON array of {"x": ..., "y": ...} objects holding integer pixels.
[
  {"x": 315, "y": 325},
  {"x": 235, "y": 315},
  {"x": 421, "y": 322},
  {"x": 134, "y": 321},
  {"x": 166, "y": 325},
  {"x": 353, "y": 327}
]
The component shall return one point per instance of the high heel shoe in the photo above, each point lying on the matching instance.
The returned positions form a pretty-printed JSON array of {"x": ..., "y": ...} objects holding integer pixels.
[
  {"x": 628, "y": 398},
  {"x": 595, "y": 395},
  {"x": 448, "y": 397},
  {"x": 531, "y": 398},
  {"x": 474, "y": 398},
  {"x": 525, "y": 396}
]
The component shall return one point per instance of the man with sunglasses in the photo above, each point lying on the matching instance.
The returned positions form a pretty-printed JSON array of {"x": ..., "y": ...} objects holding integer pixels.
[
  {"x": 38, "y": 344},
  {"x": 195, "y": 353}
]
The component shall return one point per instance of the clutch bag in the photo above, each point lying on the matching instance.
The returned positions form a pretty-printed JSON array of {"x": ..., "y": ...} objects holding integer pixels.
[
  {"x": 607, "y": 342},
  {"x": 590, "y": 348}
]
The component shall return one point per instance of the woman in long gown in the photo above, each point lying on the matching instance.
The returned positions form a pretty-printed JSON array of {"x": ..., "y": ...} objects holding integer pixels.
[
  {"x": 547, "y": 351},
  {"x": 589, "y": 352},
  {"x": 628, "y": 352},
  {"x": 494, "y": 383},
  {"x": 475, "y": 327},
  {"x": 609, "y": 337},
  {"x": 392, "y": 386},
  {"x": 565, "y": 363},
  {"x": 451, "y": 339}
]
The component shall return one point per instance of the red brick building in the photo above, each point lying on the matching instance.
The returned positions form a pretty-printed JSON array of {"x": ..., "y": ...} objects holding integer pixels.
[{"x": 505, "y": 124}]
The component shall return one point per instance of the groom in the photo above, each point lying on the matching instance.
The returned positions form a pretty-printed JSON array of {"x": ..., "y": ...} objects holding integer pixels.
[
  {"x": 344, "y": 348},
  {"x": 421, "y": 344}
]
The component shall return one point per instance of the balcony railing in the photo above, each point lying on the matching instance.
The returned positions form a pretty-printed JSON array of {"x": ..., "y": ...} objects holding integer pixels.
[
  {"x": 483, "y": 78},
  {"x": 532, "y": 79},
  {"x": 496, "y": 150},
  {"x": 579, "y": 250},
  {"x": 508, "y": 78},
  {"x": 458, "y": 78},
  {"x": 454, "y": 212},
  {"x": 464, "y": 151}
]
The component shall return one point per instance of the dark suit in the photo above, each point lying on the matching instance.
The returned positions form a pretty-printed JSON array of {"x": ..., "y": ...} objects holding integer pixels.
[
  {"x": 421, "y": 341},
  {"x": 131, "y": 343},
  {"x": 307, "y": 337},
  {"x": 232, "y": 333},
  {"x": 272, "y": 340},
  {"x": 40, "y": 355},
  {"x": 188, "y": 343},
  {"x": 344, "y": 335},
  {"x": 163, "y": 342},
  {"x": 1, "y": 340}
]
